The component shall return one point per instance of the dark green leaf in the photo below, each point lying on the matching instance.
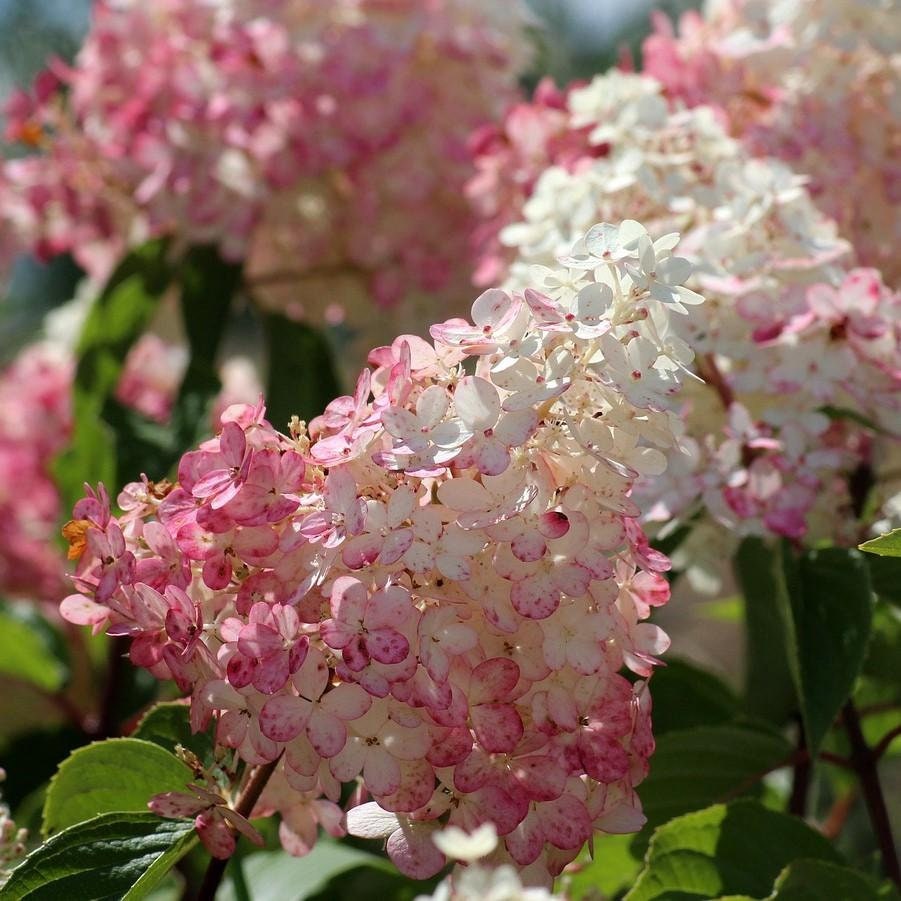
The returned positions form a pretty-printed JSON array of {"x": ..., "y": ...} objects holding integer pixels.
[
  {"x": 687, "y": 696},
  {"x": 833, "y": 610},
  {"x": 169, "y": 724},
  {"x": 815, "y": 880},
  {"x": 737, "y": 849},
  {"x": 119, "y": 774},
  {"x": 113, "y": 857},
  {"x": 119, "y": 316},
  {"x": 302, "y": 379},
  {"x": 885, "y": 577},
  {"x": 888, "y": 545},
  {"x": 32, "y": 756},
  {"x": 697, "y": 767},
  {"x": 768, "y": 680}
]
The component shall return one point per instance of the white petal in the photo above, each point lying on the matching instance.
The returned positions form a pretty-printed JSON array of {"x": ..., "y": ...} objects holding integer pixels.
[
  {"x": 477, "y": 403},
  {"x": 370, "y": 821}
]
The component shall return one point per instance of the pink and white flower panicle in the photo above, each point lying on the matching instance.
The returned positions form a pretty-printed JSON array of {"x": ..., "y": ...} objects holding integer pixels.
[{"x": 435, "y": 588}]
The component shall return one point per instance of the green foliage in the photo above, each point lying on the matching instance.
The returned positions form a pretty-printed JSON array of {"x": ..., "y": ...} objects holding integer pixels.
[
  {"x": 768, "y": 682},
  {"x": 169, "y": 724},
  {"x": 613, "y": 868},
  {"x": 208, "y": 284},
  {"x": 685, "y": 696},
  {"x": 116, "y": 775},
  {"x": 116, "y": 855},
  {"x": 276, "y": 876},
  {"x": 696, "y": 767},
  {"x": 808, "y": 624},
  {"x": 119, "y": 316},
  {"x": 814, "y": 880},
  {"x": 30, "y": 650},
  {"x": 888, "y": 545},
  {"x": 738, "y": 849},
  {"x": 302, "y": 379},
  {"x": 885, "y": 577},
  {"x": 832, "y": 610}
]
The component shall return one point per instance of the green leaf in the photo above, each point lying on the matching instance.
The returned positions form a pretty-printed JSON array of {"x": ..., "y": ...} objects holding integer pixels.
[
  {"x": 613, "y": 869},
  {"x": 687, "y": 696},
  {"x": 26, "y": 653},
  {"x": 885, "y": 577},
  {"x": 169, "y": 724},
  {"x": 277, "y": 876},
  {"x": 113, "y": 856},
  {"x": 118, "y": 317},
  {"x": 119, "y": 774},
  {"x": 737, "y": 849},
  {"x": 208, "y": 285},
  {"x": 302, "y": 378},
  {"x": 888, "y": 545},
  {"x": 814, "y": 880},
  {"x": 883, "y": 660},
  {"x": 832, "y": 608},
  {"x": 768, "y": 679},
  {"x": 697, "y": 767}
]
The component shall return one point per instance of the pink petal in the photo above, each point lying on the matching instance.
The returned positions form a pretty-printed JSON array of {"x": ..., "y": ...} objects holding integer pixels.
[
  {"x": 498, "y": 727},
  {"x": 381, "y": 772},
  {"x": 326, "y": 733},
  {"x": 387, "y": 645},
  {"x": 271, "y": 673},
  {"x": 284, "y": 717},
  {"x": 413, "y": 852},
  {"x": 82, "y": 611},
  {"x": 493, "y": 679},
  {"x": 534, "y": 598},
  {"x": 175, "y": 805}
]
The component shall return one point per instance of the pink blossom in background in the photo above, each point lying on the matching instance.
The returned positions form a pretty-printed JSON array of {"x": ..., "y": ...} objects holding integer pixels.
[
  {"x": 433, "y": 590},
  {"x": 311, "y": 139},
  {"x": 35, "y": 422},
  {"x": 36, "y": 425},
  {"x": 812, "y": 82}
]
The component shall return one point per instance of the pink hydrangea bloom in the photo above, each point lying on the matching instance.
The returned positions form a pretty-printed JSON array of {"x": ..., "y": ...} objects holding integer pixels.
[
  {"x": 441, "y": 592},
  {"x": 813, "y": 82},
  {"x": 330, "y": 134}
]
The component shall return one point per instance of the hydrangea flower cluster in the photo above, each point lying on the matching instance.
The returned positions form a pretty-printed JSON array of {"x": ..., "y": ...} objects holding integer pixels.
[
  {"x": 36, "y": 425},
  {"x": 434, "y": 588},
  {"x": 788, "y": 333},
  {"x": 314, "y": 132},
  {"x": 35, "y": 422},
  {"x": 812, "y": 82}
]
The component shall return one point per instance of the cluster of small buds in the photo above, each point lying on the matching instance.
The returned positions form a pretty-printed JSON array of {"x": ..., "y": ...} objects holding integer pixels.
[
  {"x": 812, "y": 82},
  {"x": 789, "y": 338},
  {"x": 36, "y": 425},
  {"x": 12, "y": 840},
  {"x": 435, "y": 588},
  {"x": 330, "y": 134}
]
